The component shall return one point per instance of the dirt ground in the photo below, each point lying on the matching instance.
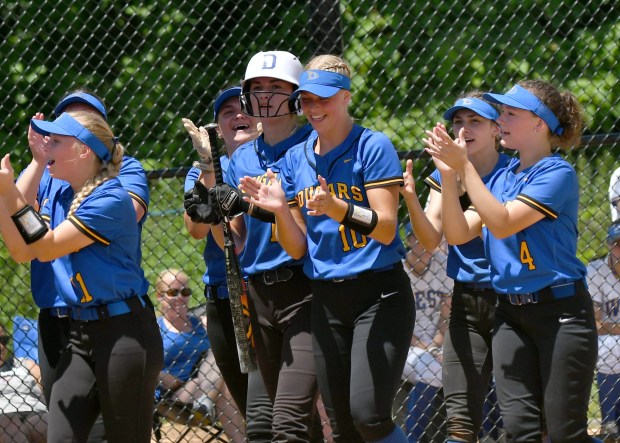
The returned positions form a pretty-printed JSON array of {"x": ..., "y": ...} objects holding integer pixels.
[{"x": 171, "y": 433}]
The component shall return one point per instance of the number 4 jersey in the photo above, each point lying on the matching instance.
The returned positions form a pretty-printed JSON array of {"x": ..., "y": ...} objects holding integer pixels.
[{"x": 544, "y": 253}]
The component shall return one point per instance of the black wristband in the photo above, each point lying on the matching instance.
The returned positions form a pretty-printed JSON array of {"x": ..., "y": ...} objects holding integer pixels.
[
  {"x": 29, "y": 224},
  {"x": 261, "y": 214},
  {"x": 360, "y": 219}
]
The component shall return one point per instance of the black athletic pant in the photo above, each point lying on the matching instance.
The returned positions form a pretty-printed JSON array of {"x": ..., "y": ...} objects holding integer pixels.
[
  {"x": 53, "y": 339},
  {"x": 361, "y": 332},
  {"x": 280, "y": 315},
  {"x": 248, "y": 390},
  {"x": 467, "y": 363},
  {"x": 109, "y": 366},
  {"x": 544, "y": 357}
]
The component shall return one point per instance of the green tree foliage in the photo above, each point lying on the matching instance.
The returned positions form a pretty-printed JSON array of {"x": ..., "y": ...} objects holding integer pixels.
[{"x": 155, "y": 61}]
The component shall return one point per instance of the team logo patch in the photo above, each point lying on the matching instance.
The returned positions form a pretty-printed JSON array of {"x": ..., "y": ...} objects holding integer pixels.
[
  {"x": 313, "y": 75},
  {"x": 513, "y": 90},
  {"x": 468, "y": 101}
]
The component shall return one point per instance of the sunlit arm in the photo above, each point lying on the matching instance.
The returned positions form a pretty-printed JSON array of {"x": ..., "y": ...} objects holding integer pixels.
[
  {"x": 426, "y": 225},
  {"x": 29, "y": 180},
  {"x": 291, "y": 232},
  {"x": 196, "y": 230},
  {"x": 458, "y": 227},
  {"x": 63, "y": 240},
  {"x": 502, "y": 220},
  {"x": 384, "y": 201}
]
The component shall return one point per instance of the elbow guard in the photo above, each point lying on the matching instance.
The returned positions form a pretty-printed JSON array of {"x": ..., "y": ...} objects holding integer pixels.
[{"x": 360, "y": 219}]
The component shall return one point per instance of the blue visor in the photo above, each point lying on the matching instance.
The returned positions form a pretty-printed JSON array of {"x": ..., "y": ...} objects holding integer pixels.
[
  {"x": 480, "y": 107},
  {"x": 325, "y": 84},
  {"x": 80, "y": 97},
  {"x": 223, "y": 97},
  {"x": 519, "y": 97},
  {"x": 67, "y": 125}
]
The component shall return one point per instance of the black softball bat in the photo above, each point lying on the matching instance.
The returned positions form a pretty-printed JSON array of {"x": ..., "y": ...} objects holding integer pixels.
[{"x": 237, "y": 291}]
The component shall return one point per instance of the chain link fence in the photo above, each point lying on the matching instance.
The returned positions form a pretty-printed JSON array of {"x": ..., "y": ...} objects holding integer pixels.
[{"x": 155, "y": 61}]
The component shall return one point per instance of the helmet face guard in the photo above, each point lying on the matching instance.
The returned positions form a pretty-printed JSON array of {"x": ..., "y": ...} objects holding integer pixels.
[
  {"x": 254, "y": 104},
  {"x": 280, "y": 65}
]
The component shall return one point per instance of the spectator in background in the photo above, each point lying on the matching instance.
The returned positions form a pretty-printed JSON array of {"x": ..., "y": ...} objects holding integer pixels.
[
  {"x": 190, "y": 374},
  {"x": 605, "y": 289},
  {"x": 431, "y": 290},
  {"x": 614, "y": 195},
  {"x": 23, "y": 417}
]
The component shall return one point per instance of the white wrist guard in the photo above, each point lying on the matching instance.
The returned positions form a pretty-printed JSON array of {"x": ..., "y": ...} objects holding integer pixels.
[{"x": 29, "y": 224}]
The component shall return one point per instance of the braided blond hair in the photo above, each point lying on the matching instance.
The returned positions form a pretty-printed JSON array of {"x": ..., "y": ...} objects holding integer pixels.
[
  {"x": 331, "y": 63},
  {"x": 100, "y": 129}
]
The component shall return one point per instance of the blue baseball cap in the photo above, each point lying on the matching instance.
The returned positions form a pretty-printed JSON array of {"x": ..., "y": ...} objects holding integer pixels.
[
  {"x": 613, "y": 233},
  {"x": 519, "y": 97},
  {"x": 81, "y": 97},
  {"x": 480, "y": 107},
  {"x": 325, "y": 84},
  {"x": 222, "y": 97},
  {"x": 67, "y": 125}
]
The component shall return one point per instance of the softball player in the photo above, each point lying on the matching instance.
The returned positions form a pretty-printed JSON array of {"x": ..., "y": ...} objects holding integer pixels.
[
  {"x": 115, "y": 352},
  {"x": 248, "y": 390},
  {"x": 605, "y": 289},
  {"x": 279, "y": 292},
  {"x": 467, "y": 362},
  {"x": 545, "y": 342},
  {"x": 342, "y": 185},
  {"x": 35, "y": 184}
]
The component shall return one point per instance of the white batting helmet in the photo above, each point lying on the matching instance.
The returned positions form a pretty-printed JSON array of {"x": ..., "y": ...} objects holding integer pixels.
[{"x": 281, "y": 65}]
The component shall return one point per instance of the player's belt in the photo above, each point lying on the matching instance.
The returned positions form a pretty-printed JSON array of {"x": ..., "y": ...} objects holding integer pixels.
[
  {"x": 113, "y": 309},
  {"x": 57, "y": 312},
  {"x": 475, "y": 286},
  {"x": 216, "y": 292},
  {"x": 277, "y": 275},
  {"x": 547, "y": 294}
]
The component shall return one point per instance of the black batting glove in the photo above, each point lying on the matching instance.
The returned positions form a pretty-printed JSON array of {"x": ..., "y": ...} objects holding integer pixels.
[
  {"x": 198, "y": 205},
  {"x": 228, "y": 201}
]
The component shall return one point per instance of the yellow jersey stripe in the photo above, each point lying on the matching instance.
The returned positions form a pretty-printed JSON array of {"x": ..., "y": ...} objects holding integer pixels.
[
  {"x": 382, "y": 183},
  {"x": 434, "y": 184},
  {"x": 547, "y": 212},
  {"x": 87, "y": 231},
  {"x": 140, "y": 201}
]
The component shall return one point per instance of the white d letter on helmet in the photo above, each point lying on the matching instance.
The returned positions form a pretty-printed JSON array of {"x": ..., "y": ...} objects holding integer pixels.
[
  {"x": 281, "y": 65},
  {"x": 275, "y": 64}
]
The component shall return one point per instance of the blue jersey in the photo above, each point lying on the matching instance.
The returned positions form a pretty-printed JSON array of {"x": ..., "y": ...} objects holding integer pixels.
[
  {"x": 215, "y": 275},
  {"x": 107, "y": 270},
  {"x": 133, "y": 179},
  {"x": 467, "y": 263},
  {"x": 544, "y": 253},
  {"x": 183, "y": 350},
  {"x": 365, "y": 160},
  {"x": 262, "y": 251}
]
